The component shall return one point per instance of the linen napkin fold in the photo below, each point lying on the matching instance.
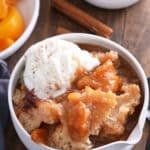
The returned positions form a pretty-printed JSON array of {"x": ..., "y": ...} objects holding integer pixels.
[{"x": 4, "y": 112}]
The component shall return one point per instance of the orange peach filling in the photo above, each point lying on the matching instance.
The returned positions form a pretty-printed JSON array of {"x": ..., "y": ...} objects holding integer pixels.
[
  {"x": 86, "y": 111},
  {"x": 104, "y": 77}
]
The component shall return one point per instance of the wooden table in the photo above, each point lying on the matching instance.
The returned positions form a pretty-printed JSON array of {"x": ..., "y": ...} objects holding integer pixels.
[{"x": 131, "y": 29}]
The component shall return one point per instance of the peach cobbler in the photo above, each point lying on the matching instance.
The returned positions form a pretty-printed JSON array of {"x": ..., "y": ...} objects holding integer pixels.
[{"x": 72, "y": 99}]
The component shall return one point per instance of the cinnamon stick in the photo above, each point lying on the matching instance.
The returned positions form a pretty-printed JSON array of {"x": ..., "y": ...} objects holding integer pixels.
[
  {"x": 62, "y": 30},
  {"x": 83, "y": 18}
]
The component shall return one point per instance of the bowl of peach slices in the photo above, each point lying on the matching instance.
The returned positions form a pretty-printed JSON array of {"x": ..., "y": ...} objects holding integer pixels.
[
  {"x": 17, "y": 21},
  {"x": 78, "y": 92}
]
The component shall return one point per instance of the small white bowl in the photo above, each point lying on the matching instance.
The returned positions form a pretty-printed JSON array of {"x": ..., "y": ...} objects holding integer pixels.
[
  {"x": 112, "y": 4},
  {"x": 29, "y": 10},
  {"x": 135, "y": 135}
]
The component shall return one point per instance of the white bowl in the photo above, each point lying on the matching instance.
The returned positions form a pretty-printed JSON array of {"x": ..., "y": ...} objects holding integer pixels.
[
  {"x": 136, "y": 134},
  {"x": 29, "y": 10},
  {"x": 112, "y": 4}
]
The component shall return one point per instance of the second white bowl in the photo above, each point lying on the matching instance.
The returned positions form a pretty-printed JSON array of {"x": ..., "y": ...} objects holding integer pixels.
[{"x": 29, "y": 10}]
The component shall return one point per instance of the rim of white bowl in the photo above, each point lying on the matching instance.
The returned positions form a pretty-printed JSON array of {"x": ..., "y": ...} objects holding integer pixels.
[
  {"x": 26, "y": 34},
  {"x": 70, "y": 37}
]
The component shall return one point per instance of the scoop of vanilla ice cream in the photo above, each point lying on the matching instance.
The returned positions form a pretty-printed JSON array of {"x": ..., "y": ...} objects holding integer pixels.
[{"x": 50, "y": 66}]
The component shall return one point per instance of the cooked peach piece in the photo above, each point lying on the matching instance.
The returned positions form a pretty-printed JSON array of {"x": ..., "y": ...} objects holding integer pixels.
[
  {"x": 5, "y": 43},
  {"x": 40, "y": 136},
  {"x": 13, "y": 25},
  {"x": 104, "y": 77},
  {"x": 111, "y": 56},
  {"x": 115, "y": 124},
  {"x": 77, "y": 117},
  {"x": 3, "y": 9},
  {"x": 86, "y": 111},
  {"x": 11, "y": 2}
]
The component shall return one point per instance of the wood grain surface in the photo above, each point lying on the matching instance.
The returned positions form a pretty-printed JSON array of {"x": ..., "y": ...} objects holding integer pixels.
[{"x": 131, "y": 29}]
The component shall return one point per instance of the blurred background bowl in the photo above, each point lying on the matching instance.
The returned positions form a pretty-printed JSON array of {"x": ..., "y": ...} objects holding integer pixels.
[
  {"x": 112, "y": 4},
  {"x": 29, "y": 10}
]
